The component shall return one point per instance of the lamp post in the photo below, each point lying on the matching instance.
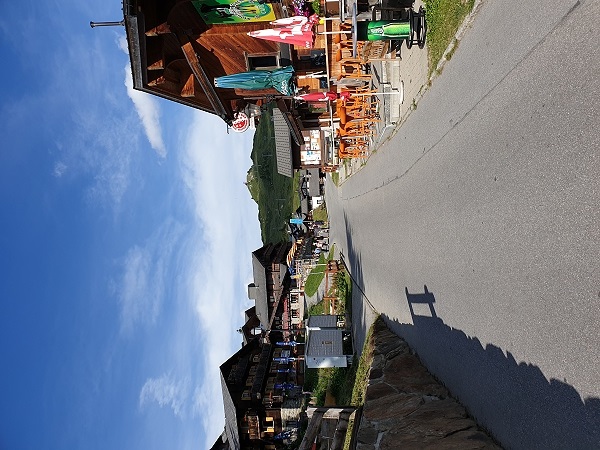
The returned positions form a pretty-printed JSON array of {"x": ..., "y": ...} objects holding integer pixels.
[{"x": 107, "y": 24}]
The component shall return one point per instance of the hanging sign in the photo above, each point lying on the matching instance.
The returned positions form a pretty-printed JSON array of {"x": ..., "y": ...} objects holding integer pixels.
[{"x": 241, "y": 123}]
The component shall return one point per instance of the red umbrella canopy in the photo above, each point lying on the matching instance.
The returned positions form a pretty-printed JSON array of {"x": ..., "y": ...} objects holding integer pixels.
[{"x": 317, "y": 97}]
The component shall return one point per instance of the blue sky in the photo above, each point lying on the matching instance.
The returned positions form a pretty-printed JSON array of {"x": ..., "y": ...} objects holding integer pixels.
[{"x": 125, "y": 245}]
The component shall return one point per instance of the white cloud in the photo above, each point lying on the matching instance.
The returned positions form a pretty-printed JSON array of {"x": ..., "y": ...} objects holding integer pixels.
[
  {"x": 80, "y": 108},
  {"x": 214, "y": 167},
  {"x": 138, "y": 301},
  {"x": 166, "y": 391},
  {"x": 147, "y": 108},
  {"x": 145, "y": 272},
  {"x": 59, "y": 169}
]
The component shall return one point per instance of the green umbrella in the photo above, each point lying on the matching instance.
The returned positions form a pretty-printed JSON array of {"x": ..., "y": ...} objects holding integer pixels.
[{"x": 280, "y": 79}]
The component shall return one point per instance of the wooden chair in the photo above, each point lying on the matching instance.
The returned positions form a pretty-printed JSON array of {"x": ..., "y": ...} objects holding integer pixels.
[{"x": 353, "y": 150}]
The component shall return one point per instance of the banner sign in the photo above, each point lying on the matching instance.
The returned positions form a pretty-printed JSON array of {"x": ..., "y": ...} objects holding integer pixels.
[
  {"x": 382, "y": 30},
  {"x": 234, "y": 11}
]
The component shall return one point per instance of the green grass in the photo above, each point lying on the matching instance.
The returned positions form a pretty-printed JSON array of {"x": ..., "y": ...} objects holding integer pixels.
[
  {"x": 339, "y": 381},
  {"x": 335, "y": 177},
  {"x": 313, "y": 281},
  {"x": 274, "y": 193},
  {"x": 320, "y": 213},
  {"x": 443, "y": 19},
  {"x": 343, "y": 284},
  {"x": 362, "y": 371},
  {"x": 316, "y": 309},
  {"x": 316, "y": 275}
]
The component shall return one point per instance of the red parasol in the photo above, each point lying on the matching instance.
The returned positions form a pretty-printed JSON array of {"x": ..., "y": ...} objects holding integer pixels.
[{"x": 317, "y": 97}]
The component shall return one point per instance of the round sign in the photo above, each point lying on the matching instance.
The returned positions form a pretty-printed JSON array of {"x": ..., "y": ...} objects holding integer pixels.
[{"x": 241, "y": 122}]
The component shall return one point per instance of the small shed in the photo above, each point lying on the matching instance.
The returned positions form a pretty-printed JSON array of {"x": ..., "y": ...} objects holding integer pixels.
[{"x": 326, "y": 343}]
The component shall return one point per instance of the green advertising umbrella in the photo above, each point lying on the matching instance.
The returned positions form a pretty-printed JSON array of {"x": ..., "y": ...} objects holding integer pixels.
[{"x": 280, "y": 79}]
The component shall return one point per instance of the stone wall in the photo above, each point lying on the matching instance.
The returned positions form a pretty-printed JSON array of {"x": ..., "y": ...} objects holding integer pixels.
[{"x": 406, "y": 408}]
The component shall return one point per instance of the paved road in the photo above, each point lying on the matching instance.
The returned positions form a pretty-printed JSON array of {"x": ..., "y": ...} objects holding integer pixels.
[{"x": 490, "y": 196}]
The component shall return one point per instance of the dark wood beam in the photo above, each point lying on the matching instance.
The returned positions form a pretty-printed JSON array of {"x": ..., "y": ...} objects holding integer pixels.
[
  {"x": 188, "y": 89},
  {"x": 205, "y": 82},
  {"x": 163, "y": 28}
]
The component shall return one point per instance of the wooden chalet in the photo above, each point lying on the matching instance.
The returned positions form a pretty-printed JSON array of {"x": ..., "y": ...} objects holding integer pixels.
[
  {"x": 271, "y": 288},
  {"x": 179, "y": 47},
  {"x": 176, "y": 54},
  {"x": 261, "y": 386}
]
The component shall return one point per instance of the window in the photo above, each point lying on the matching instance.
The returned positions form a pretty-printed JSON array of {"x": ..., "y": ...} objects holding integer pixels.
[{"x": 262, "y": 61}]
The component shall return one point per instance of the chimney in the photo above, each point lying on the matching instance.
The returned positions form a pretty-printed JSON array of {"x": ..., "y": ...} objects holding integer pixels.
[{"x": 252, "y": 291}]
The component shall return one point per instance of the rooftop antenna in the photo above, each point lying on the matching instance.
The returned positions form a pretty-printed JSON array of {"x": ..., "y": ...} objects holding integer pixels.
[{"x": 107, "y": 24}]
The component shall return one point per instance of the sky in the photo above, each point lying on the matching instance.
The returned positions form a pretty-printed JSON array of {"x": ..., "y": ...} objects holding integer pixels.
[{"x": 125, "y": 244}]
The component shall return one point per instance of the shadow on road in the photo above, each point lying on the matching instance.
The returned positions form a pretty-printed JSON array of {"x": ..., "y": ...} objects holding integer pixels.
[
  {"x": 521, "y": 407},
  {"x": 513, "y": 400},
  {"x": 363, "y": 313}
]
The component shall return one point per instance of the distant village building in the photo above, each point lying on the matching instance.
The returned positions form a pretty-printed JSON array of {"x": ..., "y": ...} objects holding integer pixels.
[
  {"x": 262, "y": 388},
  {"x": 262, "y": 382},
  {"x": 271, "y": 287}
]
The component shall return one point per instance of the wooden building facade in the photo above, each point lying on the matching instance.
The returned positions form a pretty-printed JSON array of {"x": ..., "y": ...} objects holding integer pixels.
[
  {"x": 179, "y": 47},
  {"x": 257, "y": 382},
  {"x": 175, "y": 54}
]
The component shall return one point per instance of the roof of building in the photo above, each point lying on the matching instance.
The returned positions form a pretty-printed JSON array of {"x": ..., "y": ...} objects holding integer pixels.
[
  {"x": 231, "y": 426},
  {"x": 232, "y": 373},
  {"x": 325, "y": 342},
  {"x": 221, "y": 443},
  {"x": 262, "y": 259},
  {"x": 258, "y": 291},
  {"x": 305, "y": 205},
  {"x": 283, "y": 144},
  {"x": 322, "y": 321}
]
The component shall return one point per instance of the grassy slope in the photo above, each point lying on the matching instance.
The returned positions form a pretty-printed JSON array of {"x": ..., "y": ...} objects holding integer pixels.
[
  {"x": 443, "y": 19},
  {"x": 273, "y": 192}
]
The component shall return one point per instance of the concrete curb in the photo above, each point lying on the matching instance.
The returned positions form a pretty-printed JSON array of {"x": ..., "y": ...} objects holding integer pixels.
[
  {"x": 462, "y": 29},
  {"x": 457, "y": 37}
]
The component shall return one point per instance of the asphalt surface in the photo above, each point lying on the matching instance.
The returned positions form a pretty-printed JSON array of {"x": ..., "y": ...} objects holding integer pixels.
[{"x": 489, "y": 195}]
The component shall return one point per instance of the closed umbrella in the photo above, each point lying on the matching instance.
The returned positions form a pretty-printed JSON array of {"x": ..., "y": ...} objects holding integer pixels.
[
  {"x": 293, "y": 30},
  {"x": 290, "y": 21},
  {"x": 286, "y": 35},
  {"x": 280, "y": 79}
]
